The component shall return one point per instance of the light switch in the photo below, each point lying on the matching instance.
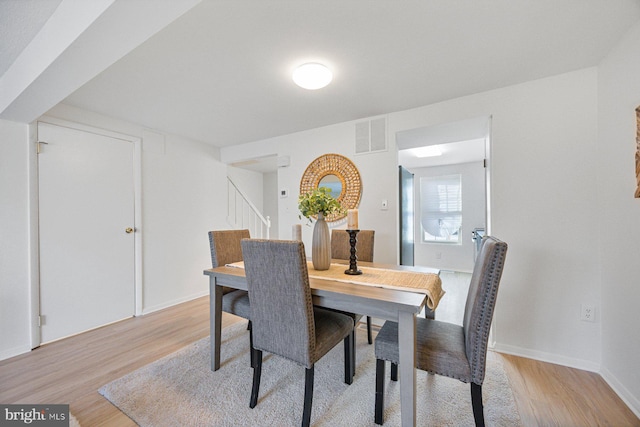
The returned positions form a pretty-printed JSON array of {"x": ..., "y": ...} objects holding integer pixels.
[{"x": 384, "y": 205}]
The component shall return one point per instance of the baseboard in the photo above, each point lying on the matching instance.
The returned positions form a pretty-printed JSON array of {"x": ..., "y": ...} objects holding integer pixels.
[
  {"x": 627, "y": 397},
  {"x": 542, "y": 356},
  {"x": 13, "y": 352},
  {"x": 168, "y": 304}
]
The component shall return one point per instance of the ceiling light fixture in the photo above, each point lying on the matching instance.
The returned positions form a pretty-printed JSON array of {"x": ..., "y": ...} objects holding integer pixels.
[
  {"x": 312, "y": 76},
  {"x": 427, "y": 151}
]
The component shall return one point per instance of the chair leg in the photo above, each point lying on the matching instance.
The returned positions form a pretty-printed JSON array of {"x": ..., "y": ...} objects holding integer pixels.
[
  {"x": 353, "y": 352},
  {"x": 369, "y": 336},
  {"x": 476, "y": 402},
  {"x": 308, "y": 397},
  {"x": 251, "y": 352},
  {"x": 379, "y": 391},
  {"x": 257, "y": 372},
  {"x": 394, "y": 372},
  {"x": 348, "y": 359}
]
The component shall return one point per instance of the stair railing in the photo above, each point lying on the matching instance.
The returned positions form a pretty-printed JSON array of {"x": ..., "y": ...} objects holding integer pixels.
[{"x": 242, "y": 213}]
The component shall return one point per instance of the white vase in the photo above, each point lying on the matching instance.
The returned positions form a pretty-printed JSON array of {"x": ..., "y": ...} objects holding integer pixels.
[{"x": 321, "y": 245}]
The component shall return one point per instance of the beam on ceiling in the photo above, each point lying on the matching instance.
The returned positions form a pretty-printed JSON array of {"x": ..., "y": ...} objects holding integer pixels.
[{"x": 79, "y": 41}]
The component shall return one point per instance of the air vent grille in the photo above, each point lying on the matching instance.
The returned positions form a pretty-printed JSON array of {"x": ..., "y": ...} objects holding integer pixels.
[
  {"x": 362, "y": 137},
  {"x": 371, "y": 136}
]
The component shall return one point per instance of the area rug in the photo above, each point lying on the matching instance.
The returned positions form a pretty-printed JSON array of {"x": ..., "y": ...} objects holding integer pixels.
[{"x": 181, "y": 390}]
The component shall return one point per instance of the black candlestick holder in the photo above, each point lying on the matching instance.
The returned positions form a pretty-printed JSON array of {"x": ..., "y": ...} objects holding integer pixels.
[{"x": 353, "y": 266}]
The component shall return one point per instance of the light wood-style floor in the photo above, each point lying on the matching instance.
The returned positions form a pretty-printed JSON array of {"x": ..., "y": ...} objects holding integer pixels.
[{"x": 72, "y": 370}]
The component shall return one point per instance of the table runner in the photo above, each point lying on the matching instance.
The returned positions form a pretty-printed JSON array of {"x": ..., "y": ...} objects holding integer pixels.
[{"x": 426, "y": 283}]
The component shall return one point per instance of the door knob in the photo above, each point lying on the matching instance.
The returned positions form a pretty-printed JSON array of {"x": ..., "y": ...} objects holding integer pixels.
[{"x": 128, "y": 230}]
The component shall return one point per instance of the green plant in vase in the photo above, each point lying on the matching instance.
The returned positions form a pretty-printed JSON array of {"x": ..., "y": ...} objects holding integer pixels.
[{"x": 319, "y": 202}]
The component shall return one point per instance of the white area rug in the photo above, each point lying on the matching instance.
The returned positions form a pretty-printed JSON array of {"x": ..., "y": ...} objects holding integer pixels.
[{"x": 181, "y": 390}]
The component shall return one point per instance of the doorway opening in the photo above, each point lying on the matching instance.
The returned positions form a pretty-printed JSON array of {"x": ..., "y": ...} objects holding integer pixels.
[{"x": 444, "y": 202}]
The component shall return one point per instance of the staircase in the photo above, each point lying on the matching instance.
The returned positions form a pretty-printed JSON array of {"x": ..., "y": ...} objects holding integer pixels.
[{"x": 244, "y": 214}]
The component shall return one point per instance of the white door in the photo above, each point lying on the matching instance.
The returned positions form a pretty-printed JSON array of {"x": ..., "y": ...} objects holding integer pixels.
[{"x": 86, "y": 204}]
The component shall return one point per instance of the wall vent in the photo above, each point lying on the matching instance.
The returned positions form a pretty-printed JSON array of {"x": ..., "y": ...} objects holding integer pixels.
[{"x": 371, "y": 136}]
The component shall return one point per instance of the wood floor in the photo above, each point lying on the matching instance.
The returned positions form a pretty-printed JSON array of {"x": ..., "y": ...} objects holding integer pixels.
[{"x": 71, "y": 371}]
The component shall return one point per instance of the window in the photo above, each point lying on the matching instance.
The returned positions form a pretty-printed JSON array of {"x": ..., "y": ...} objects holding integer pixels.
[{"x": 441, "y": 208}]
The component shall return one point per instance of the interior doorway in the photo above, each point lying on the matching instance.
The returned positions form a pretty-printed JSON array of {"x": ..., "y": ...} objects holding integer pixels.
[{"x": 457, "y": 158}]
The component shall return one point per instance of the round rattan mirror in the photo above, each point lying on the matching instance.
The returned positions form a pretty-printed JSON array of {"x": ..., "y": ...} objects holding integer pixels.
[{"x": 340, "y": 175}]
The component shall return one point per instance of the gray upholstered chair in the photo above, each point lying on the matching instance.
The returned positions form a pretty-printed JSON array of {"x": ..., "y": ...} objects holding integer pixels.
[
  {"x": 285, "y": 322},
  {"x": 341, "y": 249},
  {"x": 442, "y": 348},
  {"x": 226, "y": 249}
]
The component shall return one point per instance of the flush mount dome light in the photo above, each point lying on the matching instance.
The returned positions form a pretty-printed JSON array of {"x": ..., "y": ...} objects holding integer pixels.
[{"x": 312, "y": 76}]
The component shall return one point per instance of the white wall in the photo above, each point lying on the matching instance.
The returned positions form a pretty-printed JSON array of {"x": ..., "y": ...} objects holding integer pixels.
[
  {"x": 182, "y": 201},
  {"x": 543, "y": 166},
  {"x": 619, "y": 216},
  {"x": 446, "y": 256},
  {"x": 14, "y": 239}
]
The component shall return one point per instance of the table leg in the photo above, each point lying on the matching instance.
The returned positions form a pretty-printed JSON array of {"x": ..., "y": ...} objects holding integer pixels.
[
  {"x": 215, "y": 321},
  {"x": 407, "y": 349}
]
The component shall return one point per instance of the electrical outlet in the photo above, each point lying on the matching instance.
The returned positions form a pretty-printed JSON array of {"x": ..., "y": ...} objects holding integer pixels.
[{"x": 587, "y": 313}]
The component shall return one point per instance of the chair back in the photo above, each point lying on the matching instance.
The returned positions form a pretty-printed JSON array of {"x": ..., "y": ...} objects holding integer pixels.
[
  {"x": 481, "y": 301},
  {"x": 341, "y": 248},
  {"x": 225, "y": 246},
  {"x": 280, "y": 297}
]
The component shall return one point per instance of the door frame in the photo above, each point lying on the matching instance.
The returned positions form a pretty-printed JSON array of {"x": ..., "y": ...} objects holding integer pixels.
[{"x": 34, "y": 232}]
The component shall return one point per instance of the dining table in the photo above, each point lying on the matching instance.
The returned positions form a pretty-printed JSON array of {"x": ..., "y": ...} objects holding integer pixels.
[{"x": 388, "y": 292}]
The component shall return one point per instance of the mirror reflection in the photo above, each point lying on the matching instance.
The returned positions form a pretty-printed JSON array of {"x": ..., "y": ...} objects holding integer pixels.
[{"x": 333, "y": 183}]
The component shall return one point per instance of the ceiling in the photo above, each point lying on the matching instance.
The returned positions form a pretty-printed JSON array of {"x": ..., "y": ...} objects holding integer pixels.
[
  {"x": 452, "y": 153},
  {"x": 20, "y": 21},
  {"x": 463, "y": 141},
  {"x": 220, "y": 73}
]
